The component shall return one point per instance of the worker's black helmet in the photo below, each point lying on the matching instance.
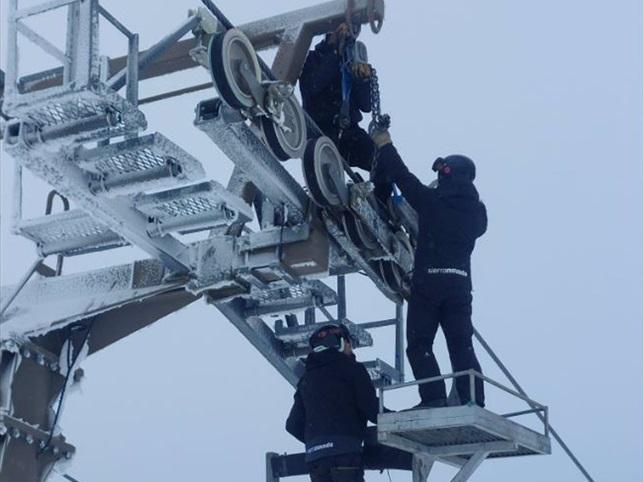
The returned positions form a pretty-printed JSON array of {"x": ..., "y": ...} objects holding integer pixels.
[
  {"x": 333, "y": 335},
  {"x": 456, "y": 167}
]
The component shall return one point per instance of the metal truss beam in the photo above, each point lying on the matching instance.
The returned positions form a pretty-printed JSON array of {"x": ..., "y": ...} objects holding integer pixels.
[
  {"x": 292, "y": 32},
  {"x": 262, "y": 338},
  {"x": 228, "y": 130},
  {"x": 50, "y": 303}
]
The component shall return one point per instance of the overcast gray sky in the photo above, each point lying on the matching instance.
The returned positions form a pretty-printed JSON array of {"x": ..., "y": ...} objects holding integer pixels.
[{"x": 547, "y": 97}]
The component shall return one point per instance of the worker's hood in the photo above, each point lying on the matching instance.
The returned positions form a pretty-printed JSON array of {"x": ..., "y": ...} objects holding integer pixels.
[{"x": 319, "y": 359}]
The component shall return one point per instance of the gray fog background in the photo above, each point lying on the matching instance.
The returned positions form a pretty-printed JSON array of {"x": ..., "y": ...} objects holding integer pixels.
[{"x": 547, "y": 97}]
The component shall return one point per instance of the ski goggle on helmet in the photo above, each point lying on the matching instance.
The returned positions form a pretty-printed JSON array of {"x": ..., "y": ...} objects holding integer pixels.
[{"x": 455, "y": 166}]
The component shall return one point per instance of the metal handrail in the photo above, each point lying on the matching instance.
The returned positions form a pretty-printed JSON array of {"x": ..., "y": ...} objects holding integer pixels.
[
  {"x": 115, "y": 22},
  {"x": 522, "y": 412},
  {"x": 472, "y": 374},
  {"x": 21, "y": 284}
]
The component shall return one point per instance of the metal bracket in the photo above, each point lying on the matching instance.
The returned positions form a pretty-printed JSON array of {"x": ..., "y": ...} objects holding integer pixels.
[{"x": 422, "y": 465}]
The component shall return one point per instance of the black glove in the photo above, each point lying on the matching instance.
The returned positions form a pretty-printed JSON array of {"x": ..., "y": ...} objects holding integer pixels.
[
  {"x": 381, "y": 137},
  {"x": 384, "y": 169}
]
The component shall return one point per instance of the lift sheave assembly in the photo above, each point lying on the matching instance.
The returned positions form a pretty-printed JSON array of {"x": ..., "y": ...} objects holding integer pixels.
[{"x": 78, "y": 127}]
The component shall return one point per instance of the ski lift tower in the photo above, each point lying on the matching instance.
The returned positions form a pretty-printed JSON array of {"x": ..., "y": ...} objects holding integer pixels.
[{"x": 79, "y": 128}]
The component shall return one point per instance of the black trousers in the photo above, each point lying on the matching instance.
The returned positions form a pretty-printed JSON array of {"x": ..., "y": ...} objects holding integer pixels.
[
  {"x": 358, "y": 149},
  {"x": 439, "y": 301},
  {"x": 340, "y": 468}
]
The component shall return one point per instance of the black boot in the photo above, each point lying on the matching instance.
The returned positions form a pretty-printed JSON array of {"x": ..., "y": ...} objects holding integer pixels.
[{"x": 437, "y": 403}]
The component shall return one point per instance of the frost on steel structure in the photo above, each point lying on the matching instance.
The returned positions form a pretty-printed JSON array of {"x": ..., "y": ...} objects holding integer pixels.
[{"x": 76, "y": 128}]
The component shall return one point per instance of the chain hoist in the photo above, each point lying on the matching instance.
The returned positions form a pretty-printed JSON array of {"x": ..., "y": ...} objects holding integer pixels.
[{"x": 378, "y": 120}]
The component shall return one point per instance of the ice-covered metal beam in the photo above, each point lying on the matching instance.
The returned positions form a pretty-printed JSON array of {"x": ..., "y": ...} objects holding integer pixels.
[
  {"x": 50, "y": 303},
  {"x": 226, "y": 127}
]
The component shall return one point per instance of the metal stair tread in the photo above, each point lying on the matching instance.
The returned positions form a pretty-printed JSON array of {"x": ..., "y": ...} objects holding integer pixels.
[
  {"x": 297, "y": 336},
  {"x": 70, "y": 233},
  {"x": 133, "y": 157},
  {"x": 60, "y": 105},
  {"x": 194, "y": 207},
  {"x": 287, "y": 298},
  {"x": 381, "y": 372}
]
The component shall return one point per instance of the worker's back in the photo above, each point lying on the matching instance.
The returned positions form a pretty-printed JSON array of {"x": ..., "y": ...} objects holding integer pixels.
[
  {"x": 451, "y": 218},
  {"x": 334, "y": 399},
  {"x": 321, "y": 88}
]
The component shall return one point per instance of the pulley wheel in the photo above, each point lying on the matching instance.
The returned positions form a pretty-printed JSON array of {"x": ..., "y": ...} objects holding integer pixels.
[
  {"x": 357, "y": 233},
  {"x": 288, "y": 140},
  {"x": 392, "y": 275},
  {"x": 324, "y": 173},
  {"x": 227, "y": 52}
]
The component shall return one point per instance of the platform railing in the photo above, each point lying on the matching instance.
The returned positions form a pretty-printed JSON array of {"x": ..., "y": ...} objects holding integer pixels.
[{"x": 471, "y": 374}]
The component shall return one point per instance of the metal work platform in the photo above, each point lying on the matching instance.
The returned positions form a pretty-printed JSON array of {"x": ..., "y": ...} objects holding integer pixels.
[
  {"x": 462, "y": 436},
  {"x": 459, "y": 431}
]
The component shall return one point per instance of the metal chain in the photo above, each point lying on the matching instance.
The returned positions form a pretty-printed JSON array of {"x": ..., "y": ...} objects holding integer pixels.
[
  {"x": 375, "y": 114},
  {"x": 379, "y": 120},
  {"x": 376, "y": 109}
]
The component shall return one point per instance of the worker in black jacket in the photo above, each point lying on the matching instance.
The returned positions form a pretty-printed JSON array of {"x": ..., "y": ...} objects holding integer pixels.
[
  {"x": 334, "y": 400},
  {"x": 321, "y": 84},
  {"x": 451, "y": 218}
]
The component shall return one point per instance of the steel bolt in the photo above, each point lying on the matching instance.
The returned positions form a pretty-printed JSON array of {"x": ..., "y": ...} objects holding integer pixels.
[
  {"x": 26, "y": 353},
  {"x": 29, "y": 439},
  {"x": 55, "y": 450},
  {"x": 68, "y": 455},
  {"x": 15, "y": 433},
  {"x": 40, "y": 359},
  {"x": 54, "y": 366}
]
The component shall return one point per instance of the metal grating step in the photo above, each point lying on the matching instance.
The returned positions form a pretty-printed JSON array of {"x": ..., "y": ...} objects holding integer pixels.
[
  {"x": 459, "y": 431},
  {"x": 192, "y": 208},
  {"x": 289, "y": 299},
  {"x": 88, "y": 114},
  {"x": 381, "y": 372},
  {"x": 296, "y": 337},
  {"x": 139, "y": 164},
  {"x": 69, "y": 233}
]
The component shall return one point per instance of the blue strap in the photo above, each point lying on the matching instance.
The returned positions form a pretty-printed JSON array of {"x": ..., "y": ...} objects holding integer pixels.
[
  {"x": 397, "y": 196},
  {"x": 347, "y": 83}
]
